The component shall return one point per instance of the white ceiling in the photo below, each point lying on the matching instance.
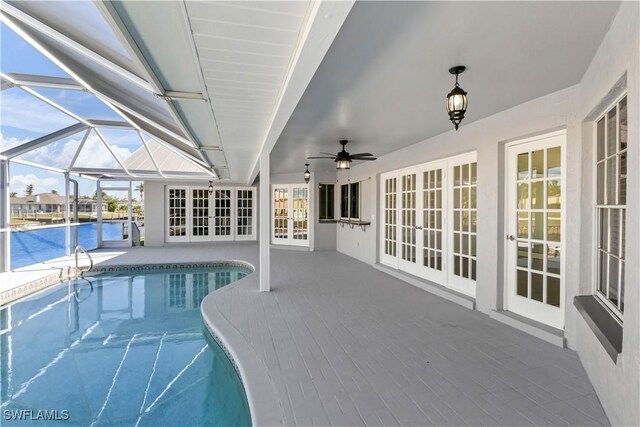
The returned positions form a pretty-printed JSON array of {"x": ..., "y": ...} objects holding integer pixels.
[
  {"x": 384, "y": 80},
  {"x": 238, "y": 53}
]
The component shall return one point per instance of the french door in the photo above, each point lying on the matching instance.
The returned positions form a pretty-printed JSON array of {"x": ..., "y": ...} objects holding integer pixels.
[
  {"x": 193, "y": 214},
  {"x": 290, "y": 219},
  {"x": 428, "y": 215},
  {"x": 535, "y": 223}
]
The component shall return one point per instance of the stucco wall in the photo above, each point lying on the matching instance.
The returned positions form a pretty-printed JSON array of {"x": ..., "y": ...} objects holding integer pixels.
[
  {"x": 155, "y": 208},
  {"x": 487, "y": 137},
  {"x": 617, "y": 385}
]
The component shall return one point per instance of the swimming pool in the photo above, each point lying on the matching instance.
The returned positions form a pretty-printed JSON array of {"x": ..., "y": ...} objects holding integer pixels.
[
  {"x": 34, "y": 246},
  {"x": 120, "y": 349}
]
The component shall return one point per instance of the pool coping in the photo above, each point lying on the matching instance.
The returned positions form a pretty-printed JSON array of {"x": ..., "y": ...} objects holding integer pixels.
[{"x": 264, "y": 405}]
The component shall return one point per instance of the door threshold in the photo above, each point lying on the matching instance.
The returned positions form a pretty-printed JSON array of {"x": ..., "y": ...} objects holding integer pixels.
[
  {"x": 539, "y": 330},
  {"x": 431, "y": 287},
  {"x": 291, "y": 248}
]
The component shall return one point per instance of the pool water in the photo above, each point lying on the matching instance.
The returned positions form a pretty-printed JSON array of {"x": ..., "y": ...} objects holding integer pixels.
[
  {"x": 120, "y": 349},
  {"x": 34, "y": 246}
]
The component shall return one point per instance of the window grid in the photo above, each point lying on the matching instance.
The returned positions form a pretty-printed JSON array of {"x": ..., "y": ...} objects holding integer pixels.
[
  {"x": 350, "y": 201},
  {"x": 538, "y": 211},
  {"x": 222, "y": 212},
  {"x": 177, "y": 212},
  {"x": 432, "y": 219},
  {"x": 244, "y": 204},
  {"x": 465, "y": 213},
  {"x": 611, "y": 188},
  {"x": 390, "y": 218},
  {"x": 281, "y": 213},
  {"x": 300, "y": 214},
  {"x": 408, "y": 221},
  {"x": 326, "y": 201},
  {"x": 178, "y": 291},
  {"x": 200, "y": 212}
]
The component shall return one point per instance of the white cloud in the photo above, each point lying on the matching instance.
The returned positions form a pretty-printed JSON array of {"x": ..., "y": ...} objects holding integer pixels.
[
  {"x": 93, "y": 154},
  {"x": 6, "y": 143},
  {"x": 19, "y": 183},
  {"x": 23, "y": 111}
]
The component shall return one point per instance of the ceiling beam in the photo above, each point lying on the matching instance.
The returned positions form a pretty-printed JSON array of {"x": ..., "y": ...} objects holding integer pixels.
[
  {"x": 153, "y": 158},
  {"x": 111, "y": 124},
  {"x": 117, "y": 25},
  {"x": 77, "y": 153},
  {"x": 47, "y": 82},
  {"x": 322, "y": 26},
  {"x": 106, "y": 144},
  {"x": 44, "y": 140},
  {"x": 77, "y": 47}
]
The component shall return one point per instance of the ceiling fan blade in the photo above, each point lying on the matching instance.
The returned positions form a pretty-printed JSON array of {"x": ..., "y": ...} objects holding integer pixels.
[
  {"x": 362, "y": 155},
  {"x": 365, "y": 158},
  {"x": 321, "y": 157},
  {"x": 328, "y": 154}
]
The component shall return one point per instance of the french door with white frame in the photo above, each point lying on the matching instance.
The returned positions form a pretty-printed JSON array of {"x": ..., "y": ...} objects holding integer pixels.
[
  {"x": 535, "y": 228},
  {"x": 426, "y": 221},
  {"x": 228, "y": 213},
  {"x": 290, "y": 214}
]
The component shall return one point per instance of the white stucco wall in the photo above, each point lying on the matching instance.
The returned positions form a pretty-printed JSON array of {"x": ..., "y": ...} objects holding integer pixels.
[
  {"x": 488, "y": 136},
  {"x": 617, "y": 385},
  {"x": 155, "y": 208}
]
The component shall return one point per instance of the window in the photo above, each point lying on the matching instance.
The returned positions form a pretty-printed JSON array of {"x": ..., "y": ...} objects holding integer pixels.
[
  {"x": 350, "y": 201},
  {"x": 611, "y": 199},
  {"x": 326, "y": 201}
]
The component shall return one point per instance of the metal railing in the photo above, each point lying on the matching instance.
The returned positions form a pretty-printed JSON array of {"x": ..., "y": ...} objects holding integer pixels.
[{"x": 83, "y": 250}]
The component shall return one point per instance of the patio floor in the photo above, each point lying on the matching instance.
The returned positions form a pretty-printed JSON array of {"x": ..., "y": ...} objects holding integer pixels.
[{"x": 345, "y": 344}]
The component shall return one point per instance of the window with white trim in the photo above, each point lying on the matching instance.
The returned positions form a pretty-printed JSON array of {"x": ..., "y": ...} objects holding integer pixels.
[
  {"x": 326, "y": 202},
  {"x": 350, "y": 201},
  {"x": 610, "y": 207}
]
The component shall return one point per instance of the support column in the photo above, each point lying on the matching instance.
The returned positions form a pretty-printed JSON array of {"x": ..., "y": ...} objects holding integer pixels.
[
  {"x": 99, "y": 216},
  {"x": 265, "y": 223},
  {"x": 67, "y": 215},
  {"x": 5, "y": 218}
]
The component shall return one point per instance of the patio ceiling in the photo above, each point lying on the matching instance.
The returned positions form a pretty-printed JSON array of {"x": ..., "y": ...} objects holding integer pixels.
[{"x": 383, "y": 83}]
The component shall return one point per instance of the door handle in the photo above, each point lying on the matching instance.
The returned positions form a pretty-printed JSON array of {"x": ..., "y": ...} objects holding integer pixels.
[{"x": 511, "y": 237}]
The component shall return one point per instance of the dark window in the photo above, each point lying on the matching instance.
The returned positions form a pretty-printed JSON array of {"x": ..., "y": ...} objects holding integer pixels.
[
  {"x": 326, "y": 201},
  {"x": 344, "y": 201},
  {"x": 354, "y": 205}
]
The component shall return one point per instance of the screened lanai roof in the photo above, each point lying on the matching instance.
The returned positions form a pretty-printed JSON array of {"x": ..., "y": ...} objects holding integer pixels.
[{"x": 137, "y": 121}]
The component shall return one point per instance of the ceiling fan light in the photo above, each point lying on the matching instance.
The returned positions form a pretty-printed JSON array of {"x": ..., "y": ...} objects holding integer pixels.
[{"x": 342, "y": 164}]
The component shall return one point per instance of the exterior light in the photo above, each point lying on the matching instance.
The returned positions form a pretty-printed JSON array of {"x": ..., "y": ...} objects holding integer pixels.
[
  {"x": 343, "y": 163},
  {"x": 457, "y": 99},
  {"x": 307, "y": 174},
  {"x": 210, "y": 187}
]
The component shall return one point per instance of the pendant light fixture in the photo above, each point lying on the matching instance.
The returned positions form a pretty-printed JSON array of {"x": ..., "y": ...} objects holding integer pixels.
[
  {"x": 457, "y": 99},
  {"x": 210, "y": 187},
  {"x": 307, "y": 174}
]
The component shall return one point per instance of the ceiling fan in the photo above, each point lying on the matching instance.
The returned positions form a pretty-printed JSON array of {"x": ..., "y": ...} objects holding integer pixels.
[{"x": 343, "y": 159}]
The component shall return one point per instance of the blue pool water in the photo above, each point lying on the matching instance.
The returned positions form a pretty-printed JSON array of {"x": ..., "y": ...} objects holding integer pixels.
[
  {"x": 31, "y": 247},
  {"x": 120, "y": 349}
]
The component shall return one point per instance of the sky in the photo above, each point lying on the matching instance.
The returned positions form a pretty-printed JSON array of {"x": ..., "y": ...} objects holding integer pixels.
[{"x": 24, "y": 117}]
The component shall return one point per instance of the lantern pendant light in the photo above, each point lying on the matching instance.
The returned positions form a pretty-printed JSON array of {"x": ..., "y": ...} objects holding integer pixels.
[
  {"x": 457, "y": 99},
  {"x": 307, "y": 174},
  {"x": 210, "y": 187}
]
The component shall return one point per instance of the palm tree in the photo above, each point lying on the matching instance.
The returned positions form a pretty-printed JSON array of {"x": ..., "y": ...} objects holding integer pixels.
[
  {"x": 13, "y": 194},
  {"x": 54, "y": 191},
  {"x": 29, "y": 190},
  {"x": 140, "y": 189}
]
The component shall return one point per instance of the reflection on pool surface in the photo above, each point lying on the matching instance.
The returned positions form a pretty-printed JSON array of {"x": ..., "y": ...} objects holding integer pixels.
[{"x": 120, "y": 349}]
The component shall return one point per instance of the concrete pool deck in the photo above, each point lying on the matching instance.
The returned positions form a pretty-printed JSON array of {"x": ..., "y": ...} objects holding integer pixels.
[{"x": 337, "y": 342}]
